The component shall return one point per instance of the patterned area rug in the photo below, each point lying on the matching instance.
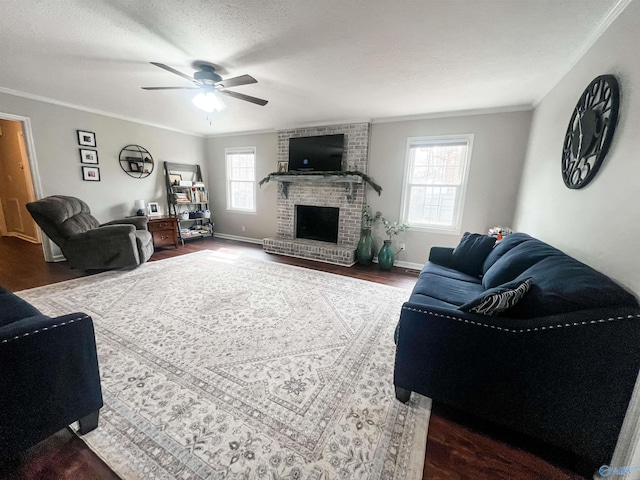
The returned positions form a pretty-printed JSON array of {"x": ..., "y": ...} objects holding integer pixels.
[{"x": 215, "y": 365}]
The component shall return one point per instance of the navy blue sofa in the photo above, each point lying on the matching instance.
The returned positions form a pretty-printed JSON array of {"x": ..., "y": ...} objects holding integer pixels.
[
  {"x": 49, "y": 374},
  {"x": 559, "y": 366}
]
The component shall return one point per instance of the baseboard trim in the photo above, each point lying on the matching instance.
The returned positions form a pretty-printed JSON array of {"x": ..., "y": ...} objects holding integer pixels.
[
  {"x": 403, "y": 264},
  {"x": 258, "y": 241},
  {"x": 238, "y": 238},
  {"x": 22, "y": 236}
]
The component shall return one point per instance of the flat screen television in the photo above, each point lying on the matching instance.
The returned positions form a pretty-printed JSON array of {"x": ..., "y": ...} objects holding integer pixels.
[{"x": 321, "y": 153}]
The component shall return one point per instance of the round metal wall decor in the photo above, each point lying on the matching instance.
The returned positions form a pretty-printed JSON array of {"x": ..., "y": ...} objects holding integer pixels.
[
  {"x": 590, "y": 131},
  {"x": 136, "y": 161}
]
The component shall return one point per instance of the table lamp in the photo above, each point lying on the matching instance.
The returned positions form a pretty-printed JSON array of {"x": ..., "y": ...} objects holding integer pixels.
[{"x": 139, "y": 206}]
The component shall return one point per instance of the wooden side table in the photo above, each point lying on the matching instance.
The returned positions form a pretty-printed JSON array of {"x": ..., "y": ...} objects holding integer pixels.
[{"x": 164, "y": 231}]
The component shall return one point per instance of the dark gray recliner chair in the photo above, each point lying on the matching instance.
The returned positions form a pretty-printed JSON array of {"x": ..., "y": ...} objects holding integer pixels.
[{"x": 87, "y": 244}]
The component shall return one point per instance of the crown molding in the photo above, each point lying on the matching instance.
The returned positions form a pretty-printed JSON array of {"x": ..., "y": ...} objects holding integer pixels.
[
  {"x": 457, "y": 113},
  {"x": 602, "y": 27},
  {"x": 239, "y": 134},
  {"x": 327, "y": 123},
  {"x": 52, "y": 101}
]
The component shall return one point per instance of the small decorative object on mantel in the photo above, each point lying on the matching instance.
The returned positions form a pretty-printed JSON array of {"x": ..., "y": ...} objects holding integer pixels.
[
  {"x": 136, "y": 161},
  {"x": 364, "y": 250},
  {"x": 590, "y": 131},
  {"x": 386, "y": 257}
]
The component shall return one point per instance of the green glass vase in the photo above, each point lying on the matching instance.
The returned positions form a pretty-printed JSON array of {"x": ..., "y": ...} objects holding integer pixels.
[
  {"x": 364, "y": 251},
  {"x": 386, "y": 256}
]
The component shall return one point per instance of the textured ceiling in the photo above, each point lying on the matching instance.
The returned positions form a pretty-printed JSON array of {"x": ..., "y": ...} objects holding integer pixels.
[{"x": 315, "y": 61}]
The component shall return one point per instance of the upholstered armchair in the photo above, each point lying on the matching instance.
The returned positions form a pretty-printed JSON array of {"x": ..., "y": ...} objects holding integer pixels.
[
  {"x": 49, "y": 375},
  {"x": 87, "y": 244}
]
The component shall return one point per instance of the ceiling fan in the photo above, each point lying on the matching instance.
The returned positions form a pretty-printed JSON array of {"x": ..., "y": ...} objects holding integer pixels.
[{"x": 209, "y": 82}]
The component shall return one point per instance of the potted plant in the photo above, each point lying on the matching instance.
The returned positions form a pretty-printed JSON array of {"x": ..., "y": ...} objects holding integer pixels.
[
  {"x": 364, "y": 251},
  {"x": 386, "y": 257}
]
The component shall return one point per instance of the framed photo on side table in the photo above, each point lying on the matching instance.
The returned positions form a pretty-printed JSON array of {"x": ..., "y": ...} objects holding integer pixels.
[
  {"x": 88, "y": 156},
  {"x": 153, "y": 209},
  {"x": 87, "y": 139},
  {"x": 91, "y": 174}
]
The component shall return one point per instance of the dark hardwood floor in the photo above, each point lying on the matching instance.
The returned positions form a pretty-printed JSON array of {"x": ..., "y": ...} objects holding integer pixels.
[{"x": 458, "y": 446}]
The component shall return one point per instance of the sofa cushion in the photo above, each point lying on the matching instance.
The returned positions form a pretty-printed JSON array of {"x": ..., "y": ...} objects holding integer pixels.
[
  {"x": 497, "y": 300},
  {"x": 434, "y": 268},
  {"x": 470, "y": 254},
  {"x": 428, "y": 301},
  {"x": 502, "y": 247},
  {"x": 562, "y": 284},
  {"x": 517, "y": 260},
  {"x": 13, "y": 308},
  {"x": 445, "y": 289}
]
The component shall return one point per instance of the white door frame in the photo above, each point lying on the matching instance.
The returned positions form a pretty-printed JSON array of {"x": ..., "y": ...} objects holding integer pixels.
[{"x": 33, "y": 166}]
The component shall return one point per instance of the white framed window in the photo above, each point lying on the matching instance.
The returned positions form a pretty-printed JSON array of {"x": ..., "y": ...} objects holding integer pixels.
[
  {"x": 435, "y": 182},
  {"x": 241, "y": 179}
]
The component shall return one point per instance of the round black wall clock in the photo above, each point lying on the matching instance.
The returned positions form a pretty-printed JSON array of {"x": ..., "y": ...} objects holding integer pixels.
[{"x": 590, "y": 131}]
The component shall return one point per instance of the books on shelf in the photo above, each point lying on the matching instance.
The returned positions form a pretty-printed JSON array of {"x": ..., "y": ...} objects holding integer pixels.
[
  {"x": 181, "y": 198},
  {"x": 194, "y": 195}
]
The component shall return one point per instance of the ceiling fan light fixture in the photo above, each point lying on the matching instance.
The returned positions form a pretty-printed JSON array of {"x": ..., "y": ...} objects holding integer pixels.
[{"x": 209, "y": 102}]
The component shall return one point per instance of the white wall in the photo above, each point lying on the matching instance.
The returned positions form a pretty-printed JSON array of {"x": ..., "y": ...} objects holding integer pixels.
[
  {"x": 257, "y": 226},
  {"x": 499, "y": 147},
  {"x": 58, "y": 160},
  {"x": 54, "y": 133},
  {"x": 600, "y": 223},
  {"x": 496, "y": 165}
]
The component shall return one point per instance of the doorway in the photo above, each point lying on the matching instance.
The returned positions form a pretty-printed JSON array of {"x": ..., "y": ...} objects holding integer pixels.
[{"x": 17, "y": 163}]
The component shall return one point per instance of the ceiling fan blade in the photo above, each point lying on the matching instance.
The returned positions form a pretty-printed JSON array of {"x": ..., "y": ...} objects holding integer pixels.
[
  {"x": 173, "y": 70},
  {"x": 170, "y": 88},
  {"x": 246, "y": 98},
  {"x": 236, "y": 81}
]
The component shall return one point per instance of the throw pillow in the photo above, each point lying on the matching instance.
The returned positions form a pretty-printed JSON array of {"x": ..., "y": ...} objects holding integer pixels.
[
  {"x": 497, "y": 300},
  {"x": 470, "y": 254}
]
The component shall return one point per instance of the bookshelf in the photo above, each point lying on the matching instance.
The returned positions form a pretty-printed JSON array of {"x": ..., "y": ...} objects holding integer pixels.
[{"x": 188, "y": 200}]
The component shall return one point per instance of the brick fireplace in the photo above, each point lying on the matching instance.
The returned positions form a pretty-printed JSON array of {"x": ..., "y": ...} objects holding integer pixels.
[{"x": 323, "y": 193}]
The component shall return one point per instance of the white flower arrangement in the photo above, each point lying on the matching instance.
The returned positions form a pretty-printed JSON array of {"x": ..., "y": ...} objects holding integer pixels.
[
  {"x": 369, "y": 218},
  {"x": 393, "y": 228}
]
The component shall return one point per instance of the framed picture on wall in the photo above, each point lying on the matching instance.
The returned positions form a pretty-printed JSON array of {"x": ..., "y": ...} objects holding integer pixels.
[
  {"x": 88, "y": 156},
  {"x": 87, "y": 139},
  {"x": 91, "y": 174},
  {"x": 283, "y": 167}
]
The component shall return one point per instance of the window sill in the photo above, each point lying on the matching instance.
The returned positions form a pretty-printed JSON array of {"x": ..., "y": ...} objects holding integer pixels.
[
  {"x": 440, "y": 230},
  {"x": 249, "y": 212}
]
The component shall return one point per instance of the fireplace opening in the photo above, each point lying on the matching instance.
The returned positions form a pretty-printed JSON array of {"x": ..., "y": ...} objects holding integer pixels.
[{"x": 317, "y": 223}]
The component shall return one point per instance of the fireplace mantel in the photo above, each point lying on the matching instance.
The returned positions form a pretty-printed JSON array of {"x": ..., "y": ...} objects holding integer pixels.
[{"x": 350, "y": 181}]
